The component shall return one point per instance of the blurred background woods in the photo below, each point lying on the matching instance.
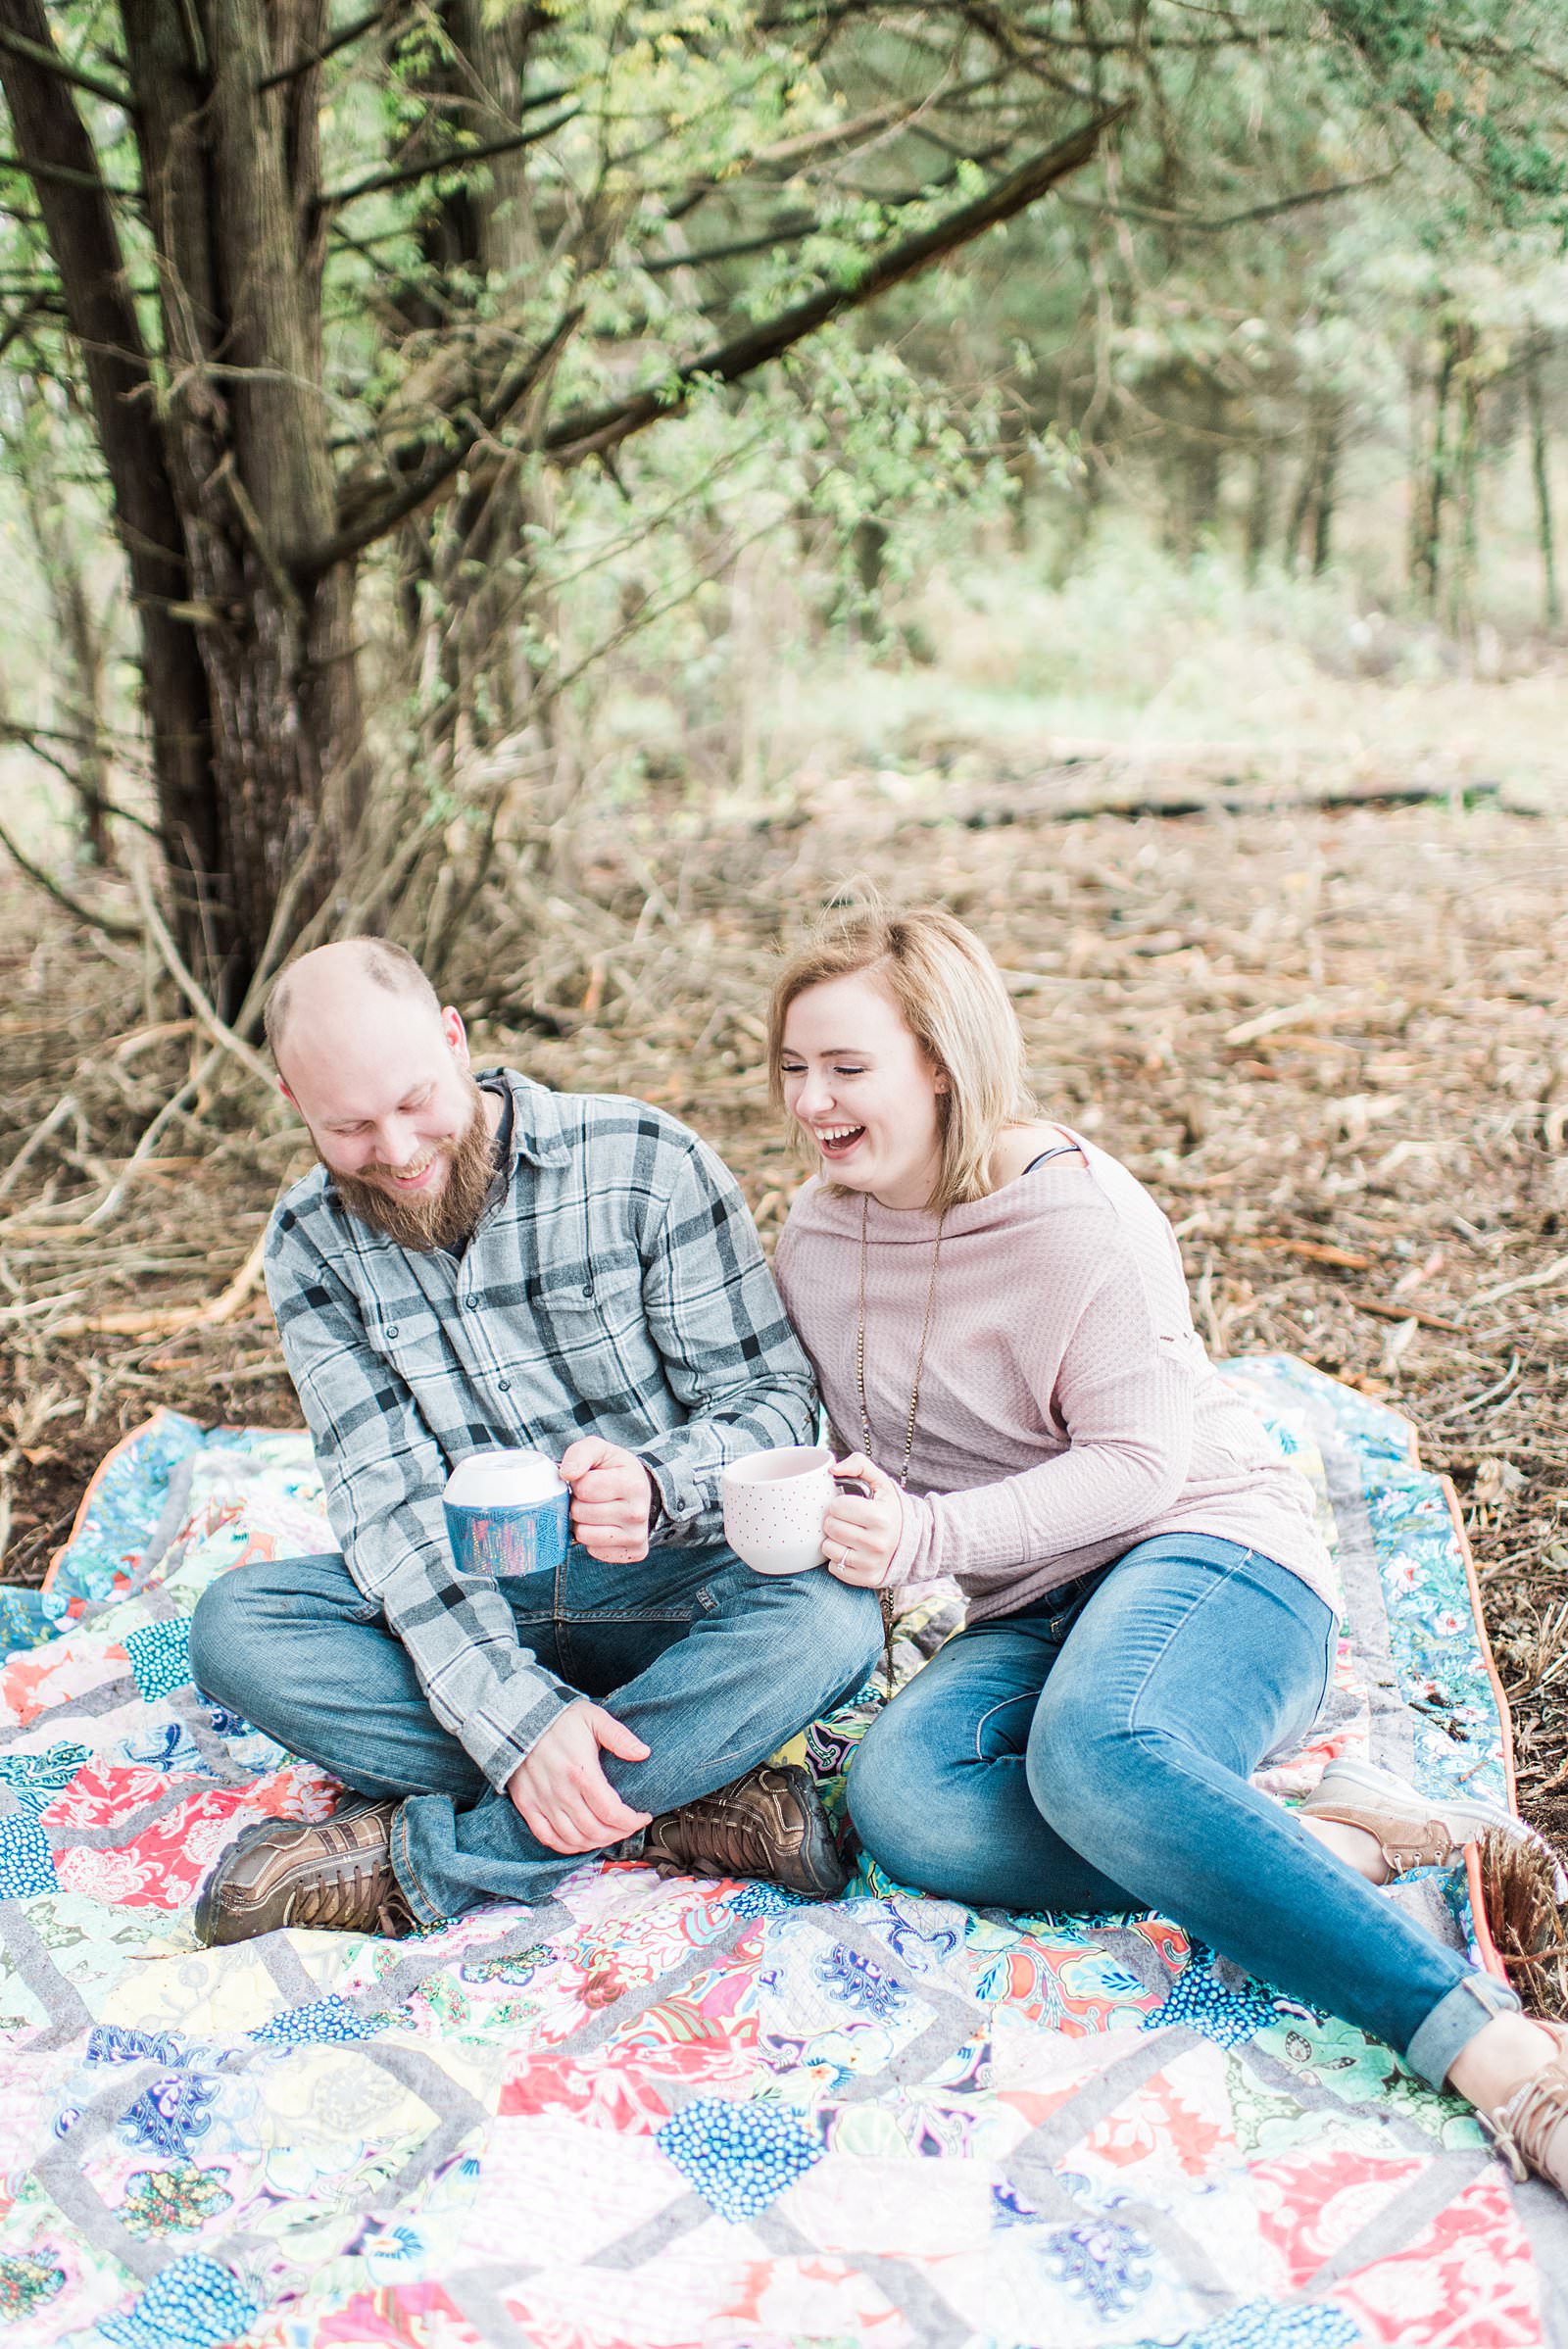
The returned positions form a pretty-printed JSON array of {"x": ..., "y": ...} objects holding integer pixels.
[
  {"x": 577, "y": 486},
  {"x": 418, "y": 418}
]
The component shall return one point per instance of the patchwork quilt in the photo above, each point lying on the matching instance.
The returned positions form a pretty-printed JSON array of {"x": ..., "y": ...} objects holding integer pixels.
[{"x": 698, "y": 2115}]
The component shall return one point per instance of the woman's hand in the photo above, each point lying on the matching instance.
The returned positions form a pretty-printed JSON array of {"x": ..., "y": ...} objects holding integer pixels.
[{"x": 860, "y": 1537}]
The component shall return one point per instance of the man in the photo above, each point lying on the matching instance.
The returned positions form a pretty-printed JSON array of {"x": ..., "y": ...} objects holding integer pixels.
[{"x": 481, "y": 1263}]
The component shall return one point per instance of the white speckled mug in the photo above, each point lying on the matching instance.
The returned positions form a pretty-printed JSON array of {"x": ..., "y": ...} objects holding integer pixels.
[{"x": 775, "y": 1505}]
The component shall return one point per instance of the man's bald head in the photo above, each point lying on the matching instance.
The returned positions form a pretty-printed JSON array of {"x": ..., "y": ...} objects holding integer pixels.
[
  {"x": 330, "y": 976},
  {"x": 378, "y": 1069}
]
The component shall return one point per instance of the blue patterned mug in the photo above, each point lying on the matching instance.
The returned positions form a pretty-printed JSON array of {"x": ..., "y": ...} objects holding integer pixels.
[{"x": 507, "y": 1513}]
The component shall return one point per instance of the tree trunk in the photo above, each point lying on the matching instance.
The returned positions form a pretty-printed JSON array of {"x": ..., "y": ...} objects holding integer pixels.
[
  {"x": 472, "y": 553},
  {"x": 78, "y": 223},
  {"x": 1466, "y": 456},
  {"x": 1259, "y": 509},
  {"x": 1301, "y": 507},
  {"x": 221, "y": 483},
  {"x": 1432, "y": 483},
  {"x": 231, "y": 178},
  {"x": 1541, "y": 474},
  {"x": 78, "y": 678},
  {"x": 1328, "y": 476}
]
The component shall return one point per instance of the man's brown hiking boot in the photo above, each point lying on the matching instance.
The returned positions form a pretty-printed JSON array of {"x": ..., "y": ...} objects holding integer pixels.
[
  {"x": 335, "y": 1875},
  {"x": 770, "y": 1823}
]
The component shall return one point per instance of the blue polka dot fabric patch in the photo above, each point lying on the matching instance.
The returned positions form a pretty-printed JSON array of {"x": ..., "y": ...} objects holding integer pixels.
[
  {"x": 323, "y": 2022},
  {"x": 26, "y": 1863},
  {"x": 160, "y": 1657},
  {"x": 756, "y": 1899},
  {"x": 741, "y": 2156},
  {"x": 1228, "y": 2017},
  {"x": 194, "y": 2303},
  {"x": 1279, "y": 2325}
]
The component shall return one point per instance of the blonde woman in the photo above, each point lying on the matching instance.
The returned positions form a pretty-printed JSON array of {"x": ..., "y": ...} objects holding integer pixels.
[{"x": 997, "y": 1315}]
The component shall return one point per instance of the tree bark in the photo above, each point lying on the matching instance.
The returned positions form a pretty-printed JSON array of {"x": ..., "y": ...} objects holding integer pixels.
[
  {"x": 1541, "y": 476},
  {"x": 1431, "y": 485},
  {"x": 222, "y": 480},
  {"x": 78, "y": 222},
  {"x": 1259, "y": 509},
  {"x": 1326, "y": 485}
]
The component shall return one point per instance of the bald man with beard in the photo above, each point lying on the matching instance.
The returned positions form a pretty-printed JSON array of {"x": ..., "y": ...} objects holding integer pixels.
[{"x": 479, "y": 1262}]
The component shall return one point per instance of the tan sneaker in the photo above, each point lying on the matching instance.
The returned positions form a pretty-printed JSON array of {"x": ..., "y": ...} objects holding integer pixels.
[
  {"x": 1531, "y": 2130},
  {"x": 770, "y": 1823},
  {"x": 336, "y": 1876},
  {"x": 1411, "y": 1829}
]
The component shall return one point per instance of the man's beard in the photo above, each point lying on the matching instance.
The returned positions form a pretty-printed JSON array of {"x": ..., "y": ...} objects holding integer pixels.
[{"x": 444, "y": 1218}]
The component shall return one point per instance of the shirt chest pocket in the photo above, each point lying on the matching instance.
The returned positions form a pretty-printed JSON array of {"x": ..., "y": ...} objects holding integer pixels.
[
  {"x": 410, "y": 1338},
  {"x": 599, "y": 1331}
]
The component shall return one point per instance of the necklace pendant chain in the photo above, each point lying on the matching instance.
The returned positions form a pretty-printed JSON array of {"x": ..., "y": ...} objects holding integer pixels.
[{"x": 919, "y": 1359}]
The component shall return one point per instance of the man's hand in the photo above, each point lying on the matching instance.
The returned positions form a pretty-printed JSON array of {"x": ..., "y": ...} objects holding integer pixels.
[
  {"x": 612, "y": 1498},
  {"x": 860, "y": 1537},
  {"x": 560, "y": 1791}
]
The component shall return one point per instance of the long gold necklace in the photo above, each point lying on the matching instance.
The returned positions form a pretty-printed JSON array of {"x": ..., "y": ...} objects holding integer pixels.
[
  {"x": 885, "y": 1597},
  {"x": 919, "y": 1359}
]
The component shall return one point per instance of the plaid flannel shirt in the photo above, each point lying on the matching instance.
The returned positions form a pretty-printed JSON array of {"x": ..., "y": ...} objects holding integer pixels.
[{"x": 615, "y": 1287}]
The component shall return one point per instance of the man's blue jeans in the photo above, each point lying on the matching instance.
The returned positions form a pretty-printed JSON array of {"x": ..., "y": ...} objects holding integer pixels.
[
  {"x": 1094, "y": 1751},
  {"x": 712, "y": 1665}
]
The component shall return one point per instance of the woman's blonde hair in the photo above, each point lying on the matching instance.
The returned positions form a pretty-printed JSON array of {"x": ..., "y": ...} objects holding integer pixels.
[{"x": 950, "y": 996}]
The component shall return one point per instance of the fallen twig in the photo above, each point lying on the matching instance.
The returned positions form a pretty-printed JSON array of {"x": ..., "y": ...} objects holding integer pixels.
[
  {"x": 1316, "y": 1251},
  {"x": 1474, "y": 1403},
  {"x": 1544, "y": 1279},
  {"x": 1387, "y": 1312},
  {"x": 167, "y": 1324}
]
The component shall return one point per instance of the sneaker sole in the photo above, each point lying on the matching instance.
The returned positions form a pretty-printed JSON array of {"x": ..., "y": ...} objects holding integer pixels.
[
  {"x": 820, "y": 1854},
  {"x": 1344, "y": 1781},
  {"x": 205, "y": 1905}
]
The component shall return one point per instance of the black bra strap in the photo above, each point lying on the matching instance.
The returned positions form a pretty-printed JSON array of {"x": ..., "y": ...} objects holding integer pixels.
[{"x": 1064, "y": 1150}]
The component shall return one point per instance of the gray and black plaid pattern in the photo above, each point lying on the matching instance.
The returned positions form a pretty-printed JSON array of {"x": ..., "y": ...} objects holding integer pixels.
[{"x": 615, "y": 1287}]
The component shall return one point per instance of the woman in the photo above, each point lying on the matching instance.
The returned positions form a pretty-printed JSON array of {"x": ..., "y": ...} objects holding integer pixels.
[{"x": 998, "y": 1321}]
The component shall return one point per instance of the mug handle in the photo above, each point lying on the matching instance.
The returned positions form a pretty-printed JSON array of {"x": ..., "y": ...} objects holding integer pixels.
[{"x": 855, "y": 1485}]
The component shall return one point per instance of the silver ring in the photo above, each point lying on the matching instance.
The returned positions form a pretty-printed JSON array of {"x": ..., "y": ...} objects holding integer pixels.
[{"x": 843, "y": 1560}]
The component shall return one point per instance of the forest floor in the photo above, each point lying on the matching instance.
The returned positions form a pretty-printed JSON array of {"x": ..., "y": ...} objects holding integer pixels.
[{"x": 1328, "y": 1038}]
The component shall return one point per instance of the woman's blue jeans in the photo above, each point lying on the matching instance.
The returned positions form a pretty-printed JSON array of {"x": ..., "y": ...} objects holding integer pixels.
[
  {"x": 712, "y": 1666},
  {"x": 1094, "y": 1751}
]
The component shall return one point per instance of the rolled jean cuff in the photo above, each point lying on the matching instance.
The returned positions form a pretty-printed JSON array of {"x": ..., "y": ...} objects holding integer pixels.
[
  {"x": 1460, "y": 2014},
  {"x": 421, "y": 1908}
]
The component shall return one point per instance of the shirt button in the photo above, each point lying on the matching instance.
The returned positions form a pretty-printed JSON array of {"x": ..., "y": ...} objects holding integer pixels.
[
  {"x": 391, "y": 1329},
  {"x": 504, "y": 1386},
  {"x": 587, "y": 1287}
]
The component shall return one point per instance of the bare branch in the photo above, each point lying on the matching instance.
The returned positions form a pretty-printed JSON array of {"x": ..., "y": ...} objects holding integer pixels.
[
  {"x": 51, "y": 61},
  {"x": 585, "y": 435},
  {"x": 365, "y": 528},
  {"x": 597, "y": 430},
  {"x": 207, "y": 1017},
  {"x": 386, "y": 14},
  {"x": 454, "y": 160},
  {"x": 112, "y": 925},
  {"x": 1230, "y": 220}
]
